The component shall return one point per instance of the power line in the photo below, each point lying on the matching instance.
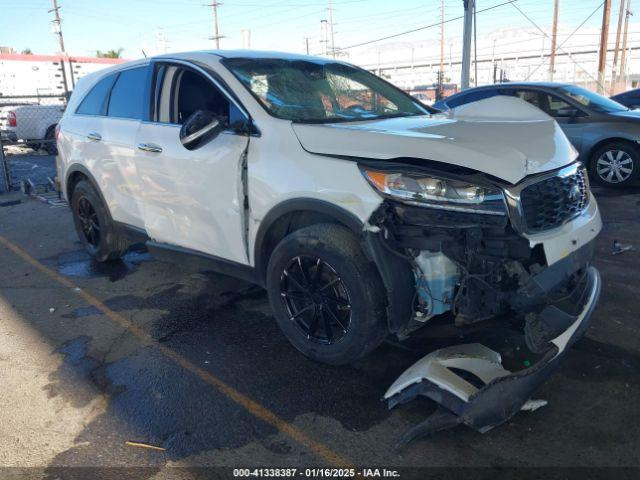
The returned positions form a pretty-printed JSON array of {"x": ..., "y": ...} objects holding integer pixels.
[
  {"x": 560, "y": 46},
  {"x": 510, "y": 2}
]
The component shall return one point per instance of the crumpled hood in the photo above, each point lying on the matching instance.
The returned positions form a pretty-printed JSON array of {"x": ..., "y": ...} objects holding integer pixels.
[{"x": 502, "y": 136}]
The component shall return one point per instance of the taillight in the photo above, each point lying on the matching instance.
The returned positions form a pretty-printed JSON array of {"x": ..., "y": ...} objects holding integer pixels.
[
  {"x": 57, "y": 131},
  {"x": 11, "y": 119}
]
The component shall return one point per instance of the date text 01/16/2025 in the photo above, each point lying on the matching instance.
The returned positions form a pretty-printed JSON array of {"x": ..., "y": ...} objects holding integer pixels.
[{"x": 315, "y": 472}]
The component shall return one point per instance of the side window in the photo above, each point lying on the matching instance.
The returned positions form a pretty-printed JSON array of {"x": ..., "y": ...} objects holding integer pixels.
[
  {"x": 472, "y": 97},
  {"x": 531, "y": 96},
  {"x": 555, "y": 104},
  {"x": 181, "y": 91},
  {"x": 95, "y": 102},
  {"x": 127, "y": 98}
]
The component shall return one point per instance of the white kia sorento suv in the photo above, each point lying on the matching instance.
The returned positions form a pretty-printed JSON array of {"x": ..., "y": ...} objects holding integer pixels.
[{"x": 363, "y": 212}]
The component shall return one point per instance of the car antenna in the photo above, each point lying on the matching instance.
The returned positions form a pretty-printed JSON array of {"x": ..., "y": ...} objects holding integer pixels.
[{"x": 143, "y": 53}]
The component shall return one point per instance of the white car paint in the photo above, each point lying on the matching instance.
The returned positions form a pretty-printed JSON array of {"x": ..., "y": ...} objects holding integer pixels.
[{"x": 179, "y": 203}]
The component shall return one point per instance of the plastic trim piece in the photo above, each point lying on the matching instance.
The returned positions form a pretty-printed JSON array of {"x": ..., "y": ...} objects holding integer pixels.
[{"x": 502, "y": 396}]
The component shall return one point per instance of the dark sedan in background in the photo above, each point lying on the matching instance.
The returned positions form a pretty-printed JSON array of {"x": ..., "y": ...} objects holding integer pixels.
[
  {"x": 630, "y": 98},
  {"x": 605, "y": 133}
]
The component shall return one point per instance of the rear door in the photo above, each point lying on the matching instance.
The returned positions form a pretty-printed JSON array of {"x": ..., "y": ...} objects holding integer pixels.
[
  {"x": 193, "y": 199},
  {"x": 118, "y": 131}
]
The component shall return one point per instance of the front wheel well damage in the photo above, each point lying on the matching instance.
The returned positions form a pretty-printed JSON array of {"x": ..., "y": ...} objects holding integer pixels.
[
  {"x": 72, "y": 180},
  {"x": 294, "y": 215},
  {"x": 395, "y": 272}
]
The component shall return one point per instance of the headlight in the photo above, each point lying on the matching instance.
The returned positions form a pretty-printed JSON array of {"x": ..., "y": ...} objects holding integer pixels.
[{"x": 438, "y": 192}]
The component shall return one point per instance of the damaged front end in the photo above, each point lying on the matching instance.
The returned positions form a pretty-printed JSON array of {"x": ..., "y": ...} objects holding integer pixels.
[{"x": 484, "y": 250}]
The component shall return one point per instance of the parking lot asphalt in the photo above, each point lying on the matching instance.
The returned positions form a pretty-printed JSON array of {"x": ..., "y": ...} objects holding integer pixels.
[{"x": 95, "y": 356}]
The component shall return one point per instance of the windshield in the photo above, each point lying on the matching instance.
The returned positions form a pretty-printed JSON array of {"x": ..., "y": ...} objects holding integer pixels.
[
  {"x": 592, "y": 100},
  {"x": 317, "y": 92}
]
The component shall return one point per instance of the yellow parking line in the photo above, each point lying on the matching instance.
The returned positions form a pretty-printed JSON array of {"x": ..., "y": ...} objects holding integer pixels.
[{"x": 256, "y": 409}]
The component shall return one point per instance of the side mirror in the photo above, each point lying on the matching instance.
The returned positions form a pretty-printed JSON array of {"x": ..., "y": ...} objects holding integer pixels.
[
  {"x": 567, "y": 112},
  {"x": 201, "y": 127}
]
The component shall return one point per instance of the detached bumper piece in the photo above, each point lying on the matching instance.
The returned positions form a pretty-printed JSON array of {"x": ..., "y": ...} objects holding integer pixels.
[{"x": 471, "y": 385}]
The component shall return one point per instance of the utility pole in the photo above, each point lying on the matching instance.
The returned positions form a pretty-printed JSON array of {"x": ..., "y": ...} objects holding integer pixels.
[
  {"x": 333, "y": 44},
  {"x": 624, "y": 42},
  {"x": 614, "y": 76},
  {"x": 58, "y": 25},
  {"x": 554, "y": 36},
  {"x": 216, "y": 33},
  {"x": 475, "y": 47},
  {"x": 324, "y": 34},
  {"x": 441, "y": 74},
  {"x": 306, "y": 42},
  {"x": 604, "y": 35},
  {"x": 246, "y": 38},
  {"x": 469, "y": 6}
]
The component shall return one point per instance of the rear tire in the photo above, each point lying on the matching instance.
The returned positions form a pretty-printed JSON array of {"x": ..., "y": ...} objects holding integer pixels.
[
  {"x": 327, "y": 297},
  {"x": 615, "y": 164},
  {"x": 50, "y": 141},
  {"x": 96, "y": 230}
]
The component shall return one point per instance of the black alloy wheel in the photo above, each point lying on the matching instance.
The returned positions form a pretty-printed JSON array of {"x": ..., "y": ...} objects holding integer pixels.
[
  {"x": 316, "y": 299},
  {"x": 89, "y": 221},
  {"x": 326, "y": 294}
]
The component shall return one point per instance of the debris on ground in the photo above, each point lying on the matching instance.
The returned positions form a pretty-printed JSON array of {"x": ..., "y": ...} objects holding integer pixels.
[
  {"x": 619, "y": 248},
  {"x": 533, "y": 405},
  {"x": 144, "y": 445}
]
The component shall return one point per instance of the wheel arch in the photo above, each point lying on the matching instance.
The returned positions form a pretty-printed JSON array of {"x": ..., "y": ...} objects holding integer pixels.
[
  {"x": 76, "y": 173},
  {"x": 292, "y": 215},
  {"x": 603, "y": 142}
]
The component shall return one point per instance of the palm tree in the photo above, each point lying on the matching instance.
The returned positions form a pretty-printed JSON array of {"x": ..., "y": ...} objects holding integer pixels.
[{"x": 109, "y": 53}]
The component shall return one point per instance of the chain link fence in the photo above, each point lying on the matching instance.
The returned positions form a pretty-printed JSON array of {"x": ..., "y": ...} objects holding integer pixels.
[{"x": 27, "y": 140}]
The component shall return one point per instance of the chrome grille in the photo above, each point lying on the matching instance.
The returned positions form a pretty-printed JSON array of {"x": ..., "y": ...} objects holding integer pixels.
[{"x": 554, "y": 201}]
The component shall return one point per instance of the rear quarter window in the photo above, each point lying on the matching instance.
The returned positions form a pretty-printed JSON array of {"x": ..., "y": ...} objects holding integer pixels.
[
  {"x": 127, "y": 97},
  {"x": 95, "y": 102}
]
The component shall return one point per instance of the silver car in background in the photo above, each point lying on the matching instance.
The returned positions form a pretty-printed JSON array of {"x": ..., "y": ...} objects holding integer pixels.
[{"x": 605, "y": 132}]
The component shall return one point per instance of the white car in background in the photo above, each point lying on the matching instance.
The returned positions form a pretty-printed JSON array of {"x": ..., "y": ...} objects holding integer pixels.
[
  {"x": 32, "y": 124},
  {"x": 362, "y": 212}
]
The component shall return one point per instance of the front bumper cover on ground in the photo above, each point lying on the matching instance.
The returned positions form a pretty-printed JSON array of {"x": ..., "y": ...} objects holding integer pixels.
[{"x": 470, "y": 384}]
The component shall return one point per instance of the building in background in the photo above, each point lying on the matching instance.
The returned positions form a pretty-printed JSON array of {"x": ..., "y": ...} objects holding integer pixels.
[
  {"x": 45, "y": 75},
  {"x": 520, "y": 54}
]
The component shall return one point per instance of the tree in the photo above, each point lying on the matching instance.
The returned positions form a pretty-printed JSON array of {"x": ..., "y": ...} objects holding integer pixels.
[
  {"x": 109, "y": 53},
  {"x": 27, "y": 51}
]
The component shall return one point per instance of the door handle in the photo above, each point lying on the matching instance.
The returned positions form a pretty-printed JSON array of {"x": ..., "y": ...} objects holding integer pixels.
[
  {"x": 96, "y": 137},
  {"x": 149, "y": 147}
]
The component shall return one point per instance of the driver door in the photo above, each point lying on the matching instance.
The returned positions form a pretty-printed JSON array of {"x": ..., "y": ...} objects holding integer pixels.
[{"x": 191, "y": 198}]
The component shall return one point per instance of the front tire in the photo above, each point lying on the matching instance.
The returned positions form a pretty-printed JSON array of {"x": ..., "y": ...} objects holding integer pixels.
[
  {"x": 616, "y": 164},
  {"x": 327, "y": 297},
  {"x": 94, "y": 226}
]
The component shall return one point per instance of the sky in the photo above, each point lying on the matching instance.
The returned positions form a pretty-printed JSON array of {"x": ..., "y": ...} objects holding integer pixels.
[{"x": 136, "y": 25}]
